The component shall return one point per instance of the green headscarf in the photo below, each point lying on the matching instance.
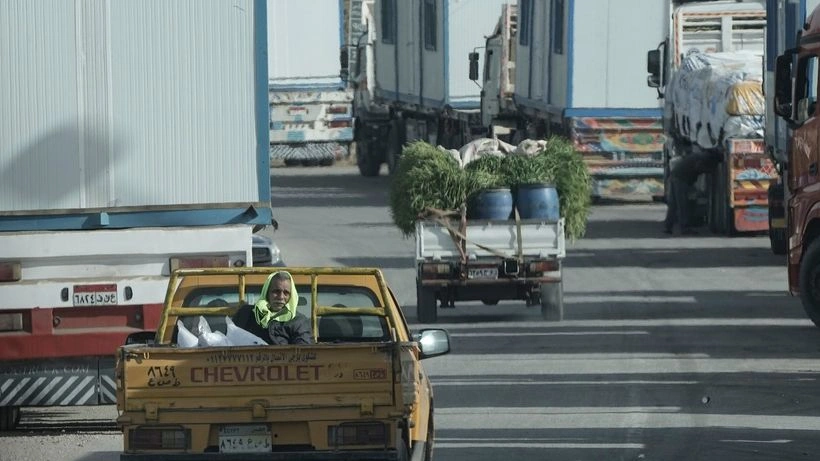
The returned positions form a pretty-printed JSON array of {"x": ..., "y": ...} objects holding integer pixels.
[{"x": 262, "y": 308}]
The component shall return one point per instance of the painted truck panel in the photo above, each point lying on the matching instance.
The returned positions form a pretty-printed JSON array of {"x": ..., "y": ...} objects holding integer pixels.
[{"x": 97, "y": 90}]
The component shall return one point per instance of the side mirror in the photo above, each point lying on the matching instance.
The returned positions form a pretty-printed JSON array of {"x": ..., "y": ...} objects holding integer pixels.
[
  {"x": 473, "y": 66},
  {"x": 433, "y": 342},
  {"x": 141, "y": 337},
  {"x": 654, "y": 65},
  {"x": 783, "y": 85}
]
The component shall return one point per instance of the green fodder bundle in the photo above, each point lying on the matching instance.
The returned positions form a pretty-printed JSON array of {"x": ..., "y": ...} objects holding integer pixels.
[
  {"x": 573, "y": 182},
  {"x": 425, "y": 177},
  {"x": 484, "y": 173},
  {"x": 523, "y": 169}
]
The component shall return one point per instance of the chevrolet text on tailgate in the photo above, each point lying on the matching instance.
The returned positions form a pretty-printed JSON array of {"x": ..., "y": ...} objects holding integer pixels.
[{"x": 358, "y": 391}]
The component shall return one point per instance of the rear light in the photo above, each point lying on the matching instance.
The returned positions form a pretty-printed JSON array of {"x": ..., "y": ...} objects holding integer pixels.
[
  {"x": 168, "y": 438},
  {"x": 409, "y": 376},
  {"x": 337, "y": 110},
  {"x": 371, "y": 433},
  {"x": 339, "y": 124},
  {"x": 10, "y": 271},
  {"x": 11, "y": 322},
  {"x": 197, "y": 262},
  {"x": 542, "y": 266},
  {"x": 435, "y": 268}
]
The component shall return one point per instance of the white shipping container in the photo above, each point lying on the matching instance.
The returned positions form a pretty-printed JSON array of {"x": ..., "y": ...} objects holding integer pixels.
[
  {"x": 422, "y": 47},
  {"x": 124, "y": 110},
  {"x": 588, "y": 53},
  {"x": 305, "y": 39}
]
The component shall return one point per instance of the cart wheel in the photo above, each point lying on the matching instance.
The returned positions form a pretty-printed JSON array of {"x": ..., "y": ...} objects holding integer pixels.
[{"x": 552, "y": 301}]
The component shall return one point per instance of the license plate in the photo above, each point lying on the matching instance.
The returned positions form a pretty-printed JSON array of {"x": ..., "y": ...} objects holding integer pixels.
[
  {"x": 244, "y": 439},
  {"x": 95, "y": 295},
  {"x": 482, "y": 273}
]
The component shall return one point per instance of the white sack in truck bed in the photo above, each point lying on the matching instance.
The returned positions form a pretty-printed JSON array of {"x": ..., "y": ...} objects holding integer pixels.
[{"x": 715, "y": 96}]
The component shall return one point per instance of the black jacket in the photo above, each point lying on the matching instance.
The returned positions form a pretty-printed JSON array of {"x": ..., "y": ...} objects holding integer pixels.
[
  {"x": 295, "y": 331},
  {"x": 691, "y": 166}
]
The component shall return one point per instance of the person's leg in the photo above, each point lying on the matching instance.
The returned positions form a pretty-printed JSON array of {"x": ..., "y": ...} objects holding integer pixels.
[
  {"x": 671, "y": 209},
  {"x": 684, "y": 208}
]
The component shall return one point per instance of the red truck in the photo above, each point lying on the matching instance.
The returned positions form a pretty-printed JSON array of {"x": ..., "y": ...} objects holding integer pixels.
[{"x": 795, "y": 101}]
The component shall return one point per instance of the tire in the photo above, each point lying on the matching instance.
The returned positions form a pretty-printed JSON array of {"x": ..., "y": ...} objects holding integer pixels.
[
  {"x": 552, "y": 301},
  {"x": 368, "y": 165},
  {"x": 426, "y": 307},
  {"x": 810, "y": 282},
  {"x": 490, "y": 302},
  {"x": 9, "y": 417}
]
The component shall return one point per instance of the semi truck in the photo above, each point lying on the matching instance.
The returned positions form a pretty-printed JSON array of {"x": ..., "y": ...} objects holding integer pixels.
[
  {"x": 311, "y": 103},
  {"x": 135, "y": 142},
  {"x": 784, "y": 19},
  {"x": 573, "y": 69},
  {"x": 795, "y": 102},
  {"x": 709, "y": 73},
  {"x": 411, "y": 81}
]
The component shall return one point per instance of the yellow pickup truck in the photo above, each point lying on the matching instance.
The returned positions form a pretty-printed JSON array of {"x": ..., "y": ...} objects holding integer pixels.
[{"x": 358, "y": 393}]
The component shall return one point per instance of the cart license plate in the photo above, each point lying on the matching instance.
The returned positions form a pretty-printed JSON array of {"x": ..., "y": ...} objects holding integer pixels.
[
  {"x": 95, "y": 295},
  {"x": 244, "y": 439},
  {"x": 482, "y": 273}
]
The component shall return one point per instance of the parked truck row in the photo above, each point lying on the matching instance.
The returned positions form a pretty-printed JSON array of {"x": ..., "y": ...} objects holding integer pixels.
[{"x": 417, "y": 78}]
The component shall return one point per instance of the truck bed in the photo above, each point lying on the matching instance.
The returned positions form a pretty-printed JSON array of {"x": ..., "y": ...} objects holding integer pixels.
[{"x": 488, "y": 238}]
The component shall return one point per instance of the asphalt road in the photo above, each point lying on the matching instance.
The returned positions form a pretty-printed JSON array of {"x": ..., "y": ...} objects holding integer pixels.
[{"x": 671, "y": 349}]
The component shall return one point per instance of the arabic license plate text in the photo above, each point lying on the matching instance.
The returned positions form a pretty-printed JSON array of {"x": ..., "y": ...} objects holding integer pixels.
[
  {"x": 95, "y": 295},
  {"x": 244, "y": 439},
  {"x": 482, "y": 273}
]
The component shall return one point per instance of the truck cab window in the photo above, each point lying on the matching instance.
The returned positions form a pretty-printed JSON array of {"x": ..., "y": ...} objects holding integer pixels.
[{"x": 806, "y": 87}]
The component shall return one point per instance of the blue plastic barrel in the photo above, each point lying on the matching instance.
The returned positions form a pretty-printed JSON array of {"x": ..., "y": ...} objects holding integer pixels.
[
  {"x": 537, "y": 201},
  {"x": 491, "y": 204}
]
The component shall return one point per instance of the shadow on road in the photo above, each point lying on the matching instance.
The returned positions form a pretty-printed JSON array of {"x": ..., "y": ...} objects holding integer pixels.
[
  {"x": 328, "y": 191},
  {"x": 681, "y": 258}
]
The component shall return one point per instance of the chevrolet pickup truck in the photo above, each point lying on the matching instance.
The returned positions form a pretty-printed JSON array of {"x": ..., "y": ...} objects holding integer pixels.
[{"x": 358, "y": 393}]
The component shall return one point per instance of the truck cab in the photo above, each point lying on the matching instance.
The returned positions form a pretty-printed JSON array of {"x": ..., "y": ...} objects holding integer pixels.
[{"x": 795, "y": 101}]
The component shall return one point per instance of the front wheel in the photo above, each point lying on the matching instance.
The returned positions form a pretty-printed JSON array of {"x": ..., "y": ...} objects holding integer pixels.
[
  {"x": 426, "y": 308},
  {"x": 366, "y": 160},
  {"x": 552, "y": 301},
  {"x": 9, "y": 417},
  {"x": 810, "y": 282}
]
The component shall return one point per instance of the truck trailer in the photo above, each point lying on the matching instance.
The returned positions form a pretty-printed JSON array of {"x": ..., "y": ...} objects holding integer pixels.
[
  {"x": 412, "y": 81},
  {"x": 135, "y": 142},
  {"x": 311, "y": 103},
  {"x": 572, "y": 69},
  {"x": 709, "y": 73}
]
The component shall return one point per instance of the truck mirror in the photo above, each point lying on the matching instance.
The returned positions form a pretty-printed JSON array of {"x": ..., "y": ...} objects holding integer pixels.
[
  {"x": 653, "y": 66},
  {"x": 783, "y": 85},
  {"x": 433, "y": 342},
  {"x": 473, "y": 66}
]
